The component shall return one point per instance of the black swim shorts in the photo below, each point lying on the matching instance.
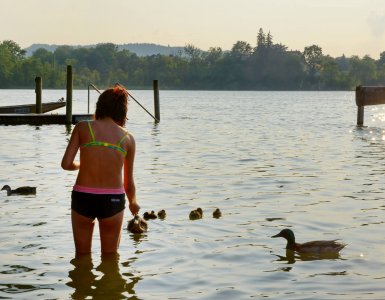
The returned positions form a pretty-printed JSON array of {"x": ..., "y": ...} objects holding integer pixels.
[{"x": 98, "y": 206}]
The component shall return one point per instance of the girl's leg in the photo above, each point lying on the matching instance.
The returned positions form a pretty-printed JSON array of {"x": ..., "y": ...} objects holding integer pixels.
[
  {"x": 82, "y": 228},
  {"x": 110, "y": 230}
]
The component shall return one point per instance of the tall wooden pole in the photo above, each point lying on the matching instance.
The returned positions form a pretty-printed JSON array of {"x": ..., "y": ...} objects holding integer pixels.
[
  {"x": 156, "y": 101},
  {"x": 38, "y": 91},
  {"x": 69, "y": 96}
]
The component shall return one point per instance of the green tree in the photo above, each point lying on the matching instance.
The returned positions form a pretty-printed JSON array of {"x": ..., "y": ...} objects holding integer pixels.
[
  {"x": 28, "y": 70},
  {"x": 193, "y": 53},
  {"x": 11, "y": 56},
  {"x": 6, "y": 66},
  {"x": 313, "y": 56},
  {"x": 213, "y": 55},
  {"x": 266, "y": 66},
  {"x": 261, "y": 39},
  {"x": 16, "y": 52},
  {"x": 363, "y": 71},
  {"x": 381, "y": 60},
  {"x": 331, "y": 77},
  {"x": 269, "y": 40},
  {"x": 44, "y": 55},
  {"x": 241, "y": 50}
]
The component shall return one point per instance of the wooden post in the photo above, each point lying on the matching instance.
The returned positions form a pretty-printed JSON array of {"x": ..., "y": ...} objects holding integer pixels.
[
  {"x": 38, "y": 91},
  {"x": 69, "y": 95},
  {"x": 156, "y": 100},
  {"x": 360, "y": 116}
]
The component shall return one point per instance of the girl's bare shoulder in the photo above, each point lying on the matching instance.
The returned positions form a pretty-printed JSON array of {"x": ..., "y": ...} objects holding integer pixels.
[
  {"x": 81, "y": 125},
  {"x": 129, "y": 141},
  {"x": 81, "y": 129}
]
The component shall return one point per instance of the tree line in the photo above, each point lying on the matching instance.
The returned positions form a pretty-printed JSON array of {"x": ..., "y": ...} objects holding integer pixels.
[{"x": 265, "y": 66}]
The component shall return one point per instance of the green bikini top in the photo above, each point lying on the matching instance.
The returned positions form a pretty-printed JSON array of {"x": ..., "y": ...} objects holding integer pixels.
[{"x": 93, "y": 142}]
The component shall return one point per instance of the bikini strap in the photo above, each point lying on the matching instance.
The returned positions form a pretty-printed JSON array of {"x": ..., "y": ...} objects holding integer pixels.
[
  {"x": 91, "y": 131},
  {"x": 122, "y": 139}
]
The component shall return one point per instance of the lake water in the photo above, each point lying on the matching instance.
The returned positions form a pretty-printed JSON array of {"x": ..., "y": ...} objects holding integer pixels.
[{"x": 268, "y": 160}]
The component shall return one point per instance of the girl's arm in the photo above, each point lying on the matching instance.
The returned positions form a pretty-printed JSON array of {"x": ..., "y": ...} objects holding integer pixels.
[
  {"x": 68, "y": 162},
  {"x": 129, "y": 184}
]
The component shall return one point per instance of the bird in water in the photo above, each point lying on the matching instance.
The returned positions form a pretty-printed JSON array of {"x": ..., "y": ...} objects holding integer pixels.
[
  {"x": 24, "y": 190},
  {"x": 217, "y": 213},
  {"x": 162, "y": 214},
  {"x": 137, "y": 225},
  {"x": 196, "y": 214},
  {"x": 149, "y": 215},
  {"x": 319, "y": 247}
]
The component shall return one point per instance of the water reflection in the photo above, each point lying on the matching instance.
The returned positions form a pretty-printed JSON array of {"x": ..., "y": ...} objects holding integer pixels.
[
  {"x": 155, "y": 129},
  {"x": 291, "y": 257},
  {"x": 138, "y": 237},
  {"x": 103, "y": 282},
  {"x": 68, "y": 129}
]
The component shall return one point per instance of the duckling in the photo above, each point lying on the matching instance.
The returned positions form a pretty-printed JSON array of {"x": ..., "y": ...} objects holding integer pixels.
[
  {"x": 162, "y": 214},
  {"x": 137, "y": 225},
  {"x": 24, "y": 190},
  {"x": 149, "y": 215},
  {"x": 331, "y": 246},
  {"x": 196, "y": 214},
  {"x": 217, "y": 213}
]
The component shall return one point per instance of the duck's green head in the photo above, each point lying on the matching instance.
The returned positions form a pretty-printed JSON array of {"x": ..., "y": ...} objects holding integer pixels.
[{"x": 287, "y": 234}]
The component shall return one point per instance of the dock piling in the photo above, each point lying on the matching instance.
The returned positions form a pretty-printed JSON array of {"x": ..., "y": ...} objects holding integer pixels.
[
  {"x": 69, "y": 95},
  {"x": 156, "y": 100},
  {"x": 38, "y": 91},
  {"x": 360, "y": 116}
]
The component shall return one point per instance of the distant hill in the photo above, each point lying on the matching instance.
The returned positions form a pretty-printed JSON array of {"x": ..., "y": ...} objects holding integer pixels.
[{"x": 143, "y": 49}]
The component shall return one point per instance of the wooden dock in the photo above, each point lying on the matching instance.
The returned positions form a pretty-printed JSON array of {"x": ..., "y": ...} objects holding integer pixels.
[
  {"x": 41, "y": 119},
  {"x": 38, "y": 118},
  {"x": 368, "y": 95}
]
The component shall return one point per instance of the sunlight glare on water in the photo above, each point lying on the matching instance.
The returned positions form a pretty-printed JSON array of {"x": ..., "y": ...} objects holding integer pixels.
[{"x": 268, "y": 160}]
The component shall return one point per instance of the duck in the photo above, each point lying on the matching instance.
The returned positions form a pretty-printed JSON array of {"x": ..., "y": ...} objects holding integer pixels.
[
  {"x": 23, "y": 190},
  {"x": 217, "y": 213},
  {"x": 137, "y": 225},
  {"x": 162, "y": 214},
  {"x": 196, "y": 214},
  {"x": 318, "y": 247},
  {"x": 149, "y": 215}
]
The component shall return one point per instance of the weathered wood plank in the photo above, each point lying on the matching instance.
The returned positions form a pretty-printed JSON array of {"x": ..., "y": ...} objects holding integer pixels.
[
  {"x": 370, "y": 95},
  {"x": 40, "y": 119}
]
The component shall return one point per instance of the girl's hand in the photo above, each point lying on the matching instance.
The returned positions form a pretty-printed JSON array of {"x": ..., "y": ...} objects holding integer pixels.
[{"x": 134, "y": 208}]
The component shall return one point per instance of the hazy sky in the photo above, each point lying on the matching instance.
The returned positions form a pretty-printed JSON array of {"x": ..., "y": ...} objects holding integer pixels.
[{"x": 350, "y": 27}]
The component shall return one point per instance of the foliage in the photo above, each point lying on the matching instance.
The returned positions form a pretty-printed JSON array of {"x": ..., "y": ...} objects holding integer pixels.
[{"x": 265, "y": 66}]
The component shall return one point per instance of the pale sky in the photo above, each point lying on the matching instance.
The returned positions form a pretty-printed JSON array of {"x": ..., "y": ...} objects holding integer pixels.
[{"x": 350, "y": 27}]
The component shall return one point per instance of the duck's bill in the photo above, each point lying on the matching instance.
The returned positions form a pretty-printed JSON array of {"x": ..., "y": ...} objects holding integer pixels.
[{"x": 277, "y": 235}]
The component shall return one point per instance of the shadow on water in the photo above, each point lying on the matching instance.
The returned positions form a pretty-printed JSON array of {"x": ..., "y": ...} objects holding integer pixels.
[{"x": 102, "y": 282}]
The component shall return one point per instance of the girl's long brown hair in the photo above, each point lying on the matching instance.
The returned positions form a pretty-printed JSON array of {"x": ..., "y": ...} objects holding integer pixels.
[{"x": 113, "y": 103}]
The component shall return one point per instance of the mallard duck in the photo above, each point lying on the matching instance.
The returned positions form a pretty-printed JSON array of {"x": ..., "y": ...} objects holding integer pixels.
[
  {"x": 217, "y": 213},
  {"x": 149, "y": 215},
  {"x": 162, "y": 214},
  {"x": 331, "y": 246},
  {"x": 23, "y": 190},
  {"x": 137, "y": 225},
  {"x": 196, "y": 214}
]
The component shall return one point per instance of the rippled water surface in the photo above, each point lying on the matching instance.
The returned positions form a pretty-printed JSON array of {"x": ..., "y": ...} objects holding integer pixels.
[{"x": 268, "y": 160}]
